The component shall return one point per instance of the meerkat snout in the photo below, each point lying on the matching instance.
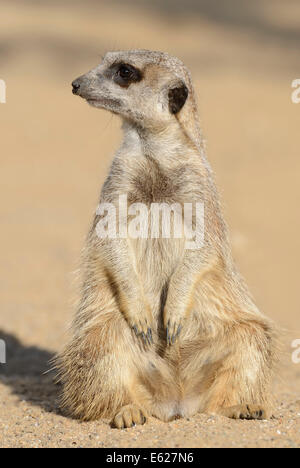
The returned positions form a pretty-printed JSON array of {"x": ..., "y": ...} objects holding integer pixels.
[
  {"x": 81, "y": 86},
  {"x": 75, "y": 86}
]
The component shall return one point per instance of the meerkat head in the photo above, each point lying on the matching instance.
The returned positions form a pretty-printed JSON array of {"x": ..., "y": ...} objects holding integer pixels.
[{"x": 148, "y": 88}]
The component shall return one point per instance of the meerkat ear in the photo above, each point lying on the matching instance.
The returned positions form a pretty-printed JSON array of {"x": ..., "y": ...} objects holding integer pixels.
[
  {"x": 182, "y": 104},
  {"x": 177, "y": 97}
]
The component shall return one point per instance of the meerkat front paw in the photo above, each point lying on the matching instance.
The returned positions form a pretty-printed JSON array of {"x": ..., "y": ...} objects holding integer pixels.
[
  {"x": 246, "y": 412},
  {"x": 143, "y": 330},
  {"x": 173, "y": 324},
  {"x": 139, "y": 318},
  {"x": 141, "y": 324},
  {"x": 129, "y": 416}
]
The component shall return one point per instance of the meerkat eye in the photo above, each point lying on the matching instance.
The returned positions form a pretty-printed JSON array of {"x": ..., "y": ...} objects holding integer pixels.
[{"x": 126, "y": 74}]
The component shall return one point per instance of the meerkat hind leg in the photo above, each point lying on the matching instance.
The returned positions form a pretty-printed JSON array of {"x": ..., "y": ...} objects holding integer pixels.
[
  {"x": 129, "y": 416},
  {"x": 245, "y": 412},
  {"x": 241, "y": 386}
]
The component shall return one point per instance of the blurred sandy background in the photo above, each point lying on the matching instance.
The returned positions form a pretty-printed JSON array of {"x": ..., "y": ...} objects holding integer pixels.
[{"x": 55, "y": 151}]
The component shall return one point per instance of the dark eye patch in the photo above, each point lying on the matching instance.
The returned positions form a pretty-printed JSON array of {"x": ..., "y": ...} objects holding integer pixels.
[{"x": 124, "y": 74}]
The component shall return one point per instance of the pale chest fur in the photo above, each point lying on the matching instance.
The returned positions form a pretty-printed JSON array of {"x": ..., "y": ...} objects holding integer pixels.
[{"x": 148, "y": 180}]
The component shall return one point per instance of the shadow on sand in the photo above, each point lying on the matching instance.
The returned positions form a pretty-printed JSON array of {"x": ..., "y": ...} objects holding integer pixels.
[{"x": 24, "y": 373}]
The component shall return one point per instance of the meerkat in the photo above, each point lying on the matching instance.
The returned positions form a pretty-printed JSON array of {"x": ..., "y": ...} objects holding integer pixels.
[{"x": 161, "y": 330}]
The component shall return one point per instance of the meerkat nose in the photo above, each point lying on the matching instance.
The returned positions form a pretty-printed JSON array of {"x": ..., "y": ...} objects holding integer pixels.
[{"x": 76, "y": 86}]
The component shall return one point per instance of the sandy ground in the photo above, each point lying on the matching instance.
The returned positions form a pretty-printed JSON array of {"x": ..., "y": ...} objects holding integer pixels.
[{"x": 55, "y": 152}]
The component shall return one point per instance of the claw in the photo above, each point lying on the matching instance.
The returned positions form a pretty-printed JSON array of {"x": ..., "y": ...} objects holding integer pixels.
[
  {"x": 172, "y": 338},
  {"x": 149, "y": 336},
  {"x": 143, "y": 418},
  {"x": 144, "y": 337},
  {"x": 168, "y": 335}
]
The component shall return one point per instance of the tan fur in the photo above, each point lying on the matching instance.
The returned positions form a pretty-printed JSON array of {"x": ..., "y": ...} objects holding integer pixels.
[{"x": 222, "y": 360}]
